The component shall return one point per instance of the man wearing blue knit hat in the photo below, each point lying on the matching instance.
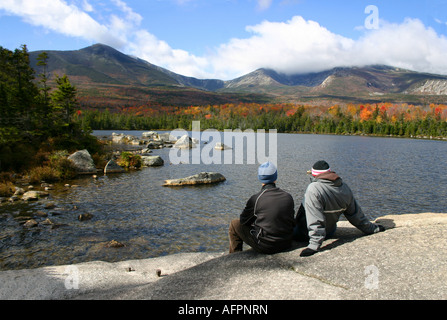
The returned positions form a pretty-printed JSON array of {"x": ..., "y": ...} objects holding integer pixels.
[{"x": 266, "y": 224}]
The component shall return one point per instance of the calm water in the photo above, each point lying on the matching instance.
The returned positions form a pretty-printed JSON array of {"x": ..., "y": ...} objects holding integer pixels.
[{"x": 388, "y": 176}]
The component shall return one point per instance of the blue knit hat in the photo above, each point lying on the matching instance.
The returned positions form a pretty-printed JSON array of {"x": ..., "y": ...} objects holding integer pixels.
[{"x": 267, "y": 172}]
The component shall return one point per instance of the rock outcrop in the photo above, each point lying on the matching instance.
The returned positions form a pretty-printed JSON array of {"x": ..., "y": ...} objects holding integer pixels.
[{"x": 432, "y": 87}]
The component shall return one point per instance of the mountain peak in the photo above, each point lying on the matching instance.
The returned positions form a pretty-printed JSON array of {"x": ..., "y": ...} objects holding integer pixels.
[
  {"x": 97, "y": 46},
  {"x": 101, "y": 63},
  {"x": 106, "y": 52}
]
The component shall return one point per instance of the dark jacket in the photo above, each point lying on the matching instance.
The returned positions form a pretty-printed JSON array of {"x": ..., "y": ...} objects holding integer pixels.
[{"x": 270, "y": 214}]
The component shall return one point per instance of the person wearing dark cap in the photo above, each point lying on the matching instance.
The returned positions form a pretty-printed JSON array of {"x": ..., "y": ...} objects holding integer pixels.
[
  {"x": 326, "y": 198},
  {"x": 267, "y": 221}
]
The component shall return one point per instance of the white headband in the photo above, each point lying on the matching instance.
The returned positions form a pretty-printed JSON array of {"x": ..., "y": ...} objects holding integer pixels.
[{"x": 317, "y": 172}]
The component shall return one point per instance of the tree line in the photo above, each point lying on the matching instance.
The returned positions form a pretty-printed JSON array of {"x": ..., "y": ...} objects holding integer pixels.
[{"x": 384, "y": 119}]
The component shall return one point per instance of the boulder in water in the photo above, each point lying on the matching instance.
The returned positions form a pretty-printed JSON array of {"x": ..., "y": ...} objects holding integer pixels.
[
  {"x": 83, "y": 162},
  {"x": 34, "y": 195},
  {"x": 152, "y": 161},
  {"x": 201, "y": 178},
  {"x": 221, "y": 146},
  {"x": 185, "y": 142},
  {"x": 113, "y": 167}
]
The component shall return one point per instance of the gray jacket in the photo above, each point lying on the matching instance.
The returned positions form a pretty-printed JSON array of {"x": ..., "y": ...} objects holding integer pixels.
[{"x": 326, "y": 198}]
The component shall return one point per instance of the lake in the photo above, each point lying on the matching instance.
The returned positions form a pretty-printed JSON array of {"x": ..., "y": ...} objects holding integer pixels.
[{"x": 387, "y": 176}]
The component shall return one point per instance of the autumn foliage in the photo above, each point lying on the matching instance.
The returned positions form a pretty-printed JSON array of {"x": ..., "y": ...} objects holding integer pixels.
[{"x": 374, "y": 119}]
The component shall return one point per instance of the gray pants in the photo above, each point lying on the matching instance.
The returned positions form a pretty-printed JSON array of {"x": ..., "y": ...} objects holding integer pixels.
[{"x": 301, "y": 232}]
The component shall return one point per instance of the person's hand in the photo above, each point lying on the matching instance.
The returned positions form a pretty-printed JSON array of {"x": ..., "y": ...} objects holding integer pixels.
[
  {"x": 379, "y": 228},
  {"x": 307, "y": 252}
]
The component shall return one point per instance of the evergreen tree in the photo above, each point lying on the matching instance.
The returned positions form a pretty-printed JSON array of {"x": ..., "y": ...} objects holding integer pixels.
[
  {"x": 17, "y": 95},
  {"x": 42, "y": 61},
  {"x": 64, "y": 102}
]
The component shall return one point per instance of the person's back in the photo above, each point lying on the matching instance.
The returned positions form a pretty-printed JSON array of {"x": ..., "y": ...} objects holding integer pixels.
[
  {"x": 334, "y": 194},
  {"x": 326, "y": 198},
  {"x": 267, "y": 221},
  {"x": 271, "y": 214}
]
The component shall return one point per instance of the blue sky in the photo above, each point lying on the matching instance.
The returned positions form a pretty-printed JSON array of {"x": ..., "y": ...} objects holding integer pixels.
[{"x": 228, "y": 38}]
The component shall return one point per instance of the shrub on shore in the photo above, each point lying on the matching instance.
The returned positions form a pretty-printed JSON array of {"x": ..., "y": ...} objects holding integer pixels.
[
  {"x": 7, "y": 189},
  {"x": 44, "y": 173},
  {"x": 54, "y": 167},
  {"x": 130, "y": 160}
]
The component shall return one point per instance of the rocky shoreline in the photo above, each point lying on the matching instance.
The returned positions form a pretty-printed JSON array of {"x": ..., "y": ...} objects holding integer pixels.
[
  {"x": 406, "y": 262},
  {"x": 141, "y": 146},
  {"x": 83, "y": 163}
]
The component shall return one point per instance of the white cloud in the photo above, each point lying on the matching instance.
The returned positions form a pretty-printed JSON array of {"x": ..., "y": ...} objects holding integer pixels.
[
  {"x": 124, "y": 27},
  {"x": 87, "y": 6},
  {"x": 264, "y": 4},
  {"x": 148, "y": 47},
  {"x": 131, "y": 16},
  {"x": 58, "y": 16},
  {"x": 182, "y": 2},
  {"x": 409, "y": 45},
  {"x": 119, "y": 31},
  {"x": 300, "y": 46},
  {"x": 294, "y": 46}
]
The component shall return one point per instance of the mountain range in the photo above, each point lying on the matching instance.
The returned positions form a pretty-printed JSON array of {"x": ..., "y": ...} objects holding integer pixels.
[{"x": 106, "y": 77}]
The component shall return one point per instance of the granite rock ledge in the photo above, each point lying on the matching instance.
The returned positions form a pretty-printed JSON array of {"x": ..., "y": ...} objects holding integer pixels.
[{"x": 407, "y": 261}]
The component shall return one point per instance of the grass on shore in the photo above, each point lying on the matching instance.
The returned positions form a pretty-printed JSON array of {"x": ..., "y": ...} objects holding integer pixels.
[{"x": 47, "y": 163}]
